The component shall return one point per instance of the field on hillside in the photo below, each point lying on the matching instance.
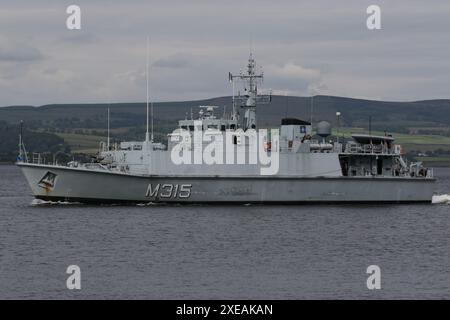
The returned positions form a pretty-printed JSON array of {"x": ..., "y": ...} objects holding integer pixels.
[
  {"x": 82, "y": 143},
  {"x": 410, "y": 142},
  {"x": 86, "y": 143},
  {"x": 435, "y": 161},
  {"x": 421, "y": 126}
]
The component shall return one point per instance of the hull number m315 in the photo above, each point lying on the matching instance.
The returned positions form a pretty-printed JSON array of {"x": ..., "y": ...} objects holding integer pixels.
[{"x": 168, "y": 190}]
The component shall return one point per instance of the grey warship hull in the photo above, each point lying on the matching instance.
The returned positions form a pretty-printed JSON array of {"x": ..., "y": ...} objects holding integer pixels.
[
  {"x": 96, "y": 186},
  {"x": 228, "y": 159}
]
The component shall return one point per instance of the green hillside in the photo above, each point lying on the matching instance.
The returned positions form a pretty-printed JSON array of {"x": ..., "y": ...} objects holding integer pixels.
[
  {"x": 422, "y": 126},
  {"x": 400, "y": 116}
]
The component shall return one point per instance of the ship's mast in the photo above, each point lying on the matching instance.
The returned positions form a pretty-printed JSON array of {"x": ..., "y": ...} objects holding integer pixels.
[
  {"x": 22, "y": 152},
  {"x": 146, "y": 76},
  {"x": 20, "y": 139},
  {"x": 250, "y": 99},
  {"x": 107, "y": 143}
]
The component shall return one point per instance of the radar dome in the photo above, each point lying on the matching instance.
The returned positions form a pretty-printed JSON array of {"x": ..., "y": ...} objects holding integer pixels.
[{"x": 324, "y": 129}]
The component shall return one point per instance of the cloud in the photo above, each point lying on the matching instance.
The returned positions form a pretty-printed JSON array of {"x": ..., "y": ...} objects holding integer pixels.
[
  {"x": 304, "y": 47},
  {"x": 293, "y": 71},
  {"x": 18, "y": 51},
  {"x": 78, "y": 37},
  {"x": 294, "y": 79},
  {"x": 176, "y": 61}
]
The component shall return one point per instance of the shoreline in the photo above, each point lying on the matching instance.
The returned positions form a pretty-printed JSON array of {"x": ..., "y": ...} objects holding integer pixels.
[{"x": 429, "y": 164}]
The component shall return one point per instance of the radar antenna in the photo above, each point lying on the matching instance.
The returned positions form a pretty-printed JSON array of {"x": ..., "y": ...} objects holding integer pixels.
[{"x": 250, "y": 99}]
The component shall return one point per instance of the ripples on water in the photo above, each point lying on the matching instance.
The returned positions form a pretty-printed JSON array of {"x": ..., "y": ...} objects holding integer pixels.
[{"x": 202, "y": 252}]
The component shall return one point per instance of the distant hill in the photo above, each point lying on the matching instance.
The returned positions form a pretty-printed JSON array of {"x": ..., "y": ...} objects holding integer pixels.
[
  {"x": 80, "y": 127},
  {"x": 35, "y": 142},
  {"x": 391, "y": 116}
]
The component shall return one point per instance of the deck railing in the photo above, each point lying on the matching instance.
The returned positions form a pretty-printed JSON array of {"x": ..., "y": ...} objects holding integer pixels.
[{"x": 352, "y": 147}]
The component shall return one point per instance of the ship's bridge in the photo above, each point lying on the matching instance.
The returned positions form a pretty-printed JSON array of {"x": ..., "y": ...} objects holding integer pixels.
[{"x": 207, "y": 120}]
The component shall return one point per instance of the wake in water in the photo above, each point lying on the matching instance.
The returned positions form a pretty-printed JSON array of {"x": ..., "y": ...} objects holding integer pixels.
[
  {"x": 444, "y": 198},
  {"x": 146, "y": 204},
  {"x": 39, "y": 202}
]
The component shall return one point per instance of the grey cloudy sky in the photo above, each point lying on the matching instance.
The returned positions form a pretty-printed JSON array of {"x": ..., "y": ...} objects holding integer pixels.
[{"x": 320, "y": 47}]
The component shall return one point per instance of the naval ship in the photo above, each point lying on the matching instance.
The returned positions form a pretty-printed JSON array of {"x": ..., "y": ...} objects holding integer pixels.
[{"x": 211, "y": 158}]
